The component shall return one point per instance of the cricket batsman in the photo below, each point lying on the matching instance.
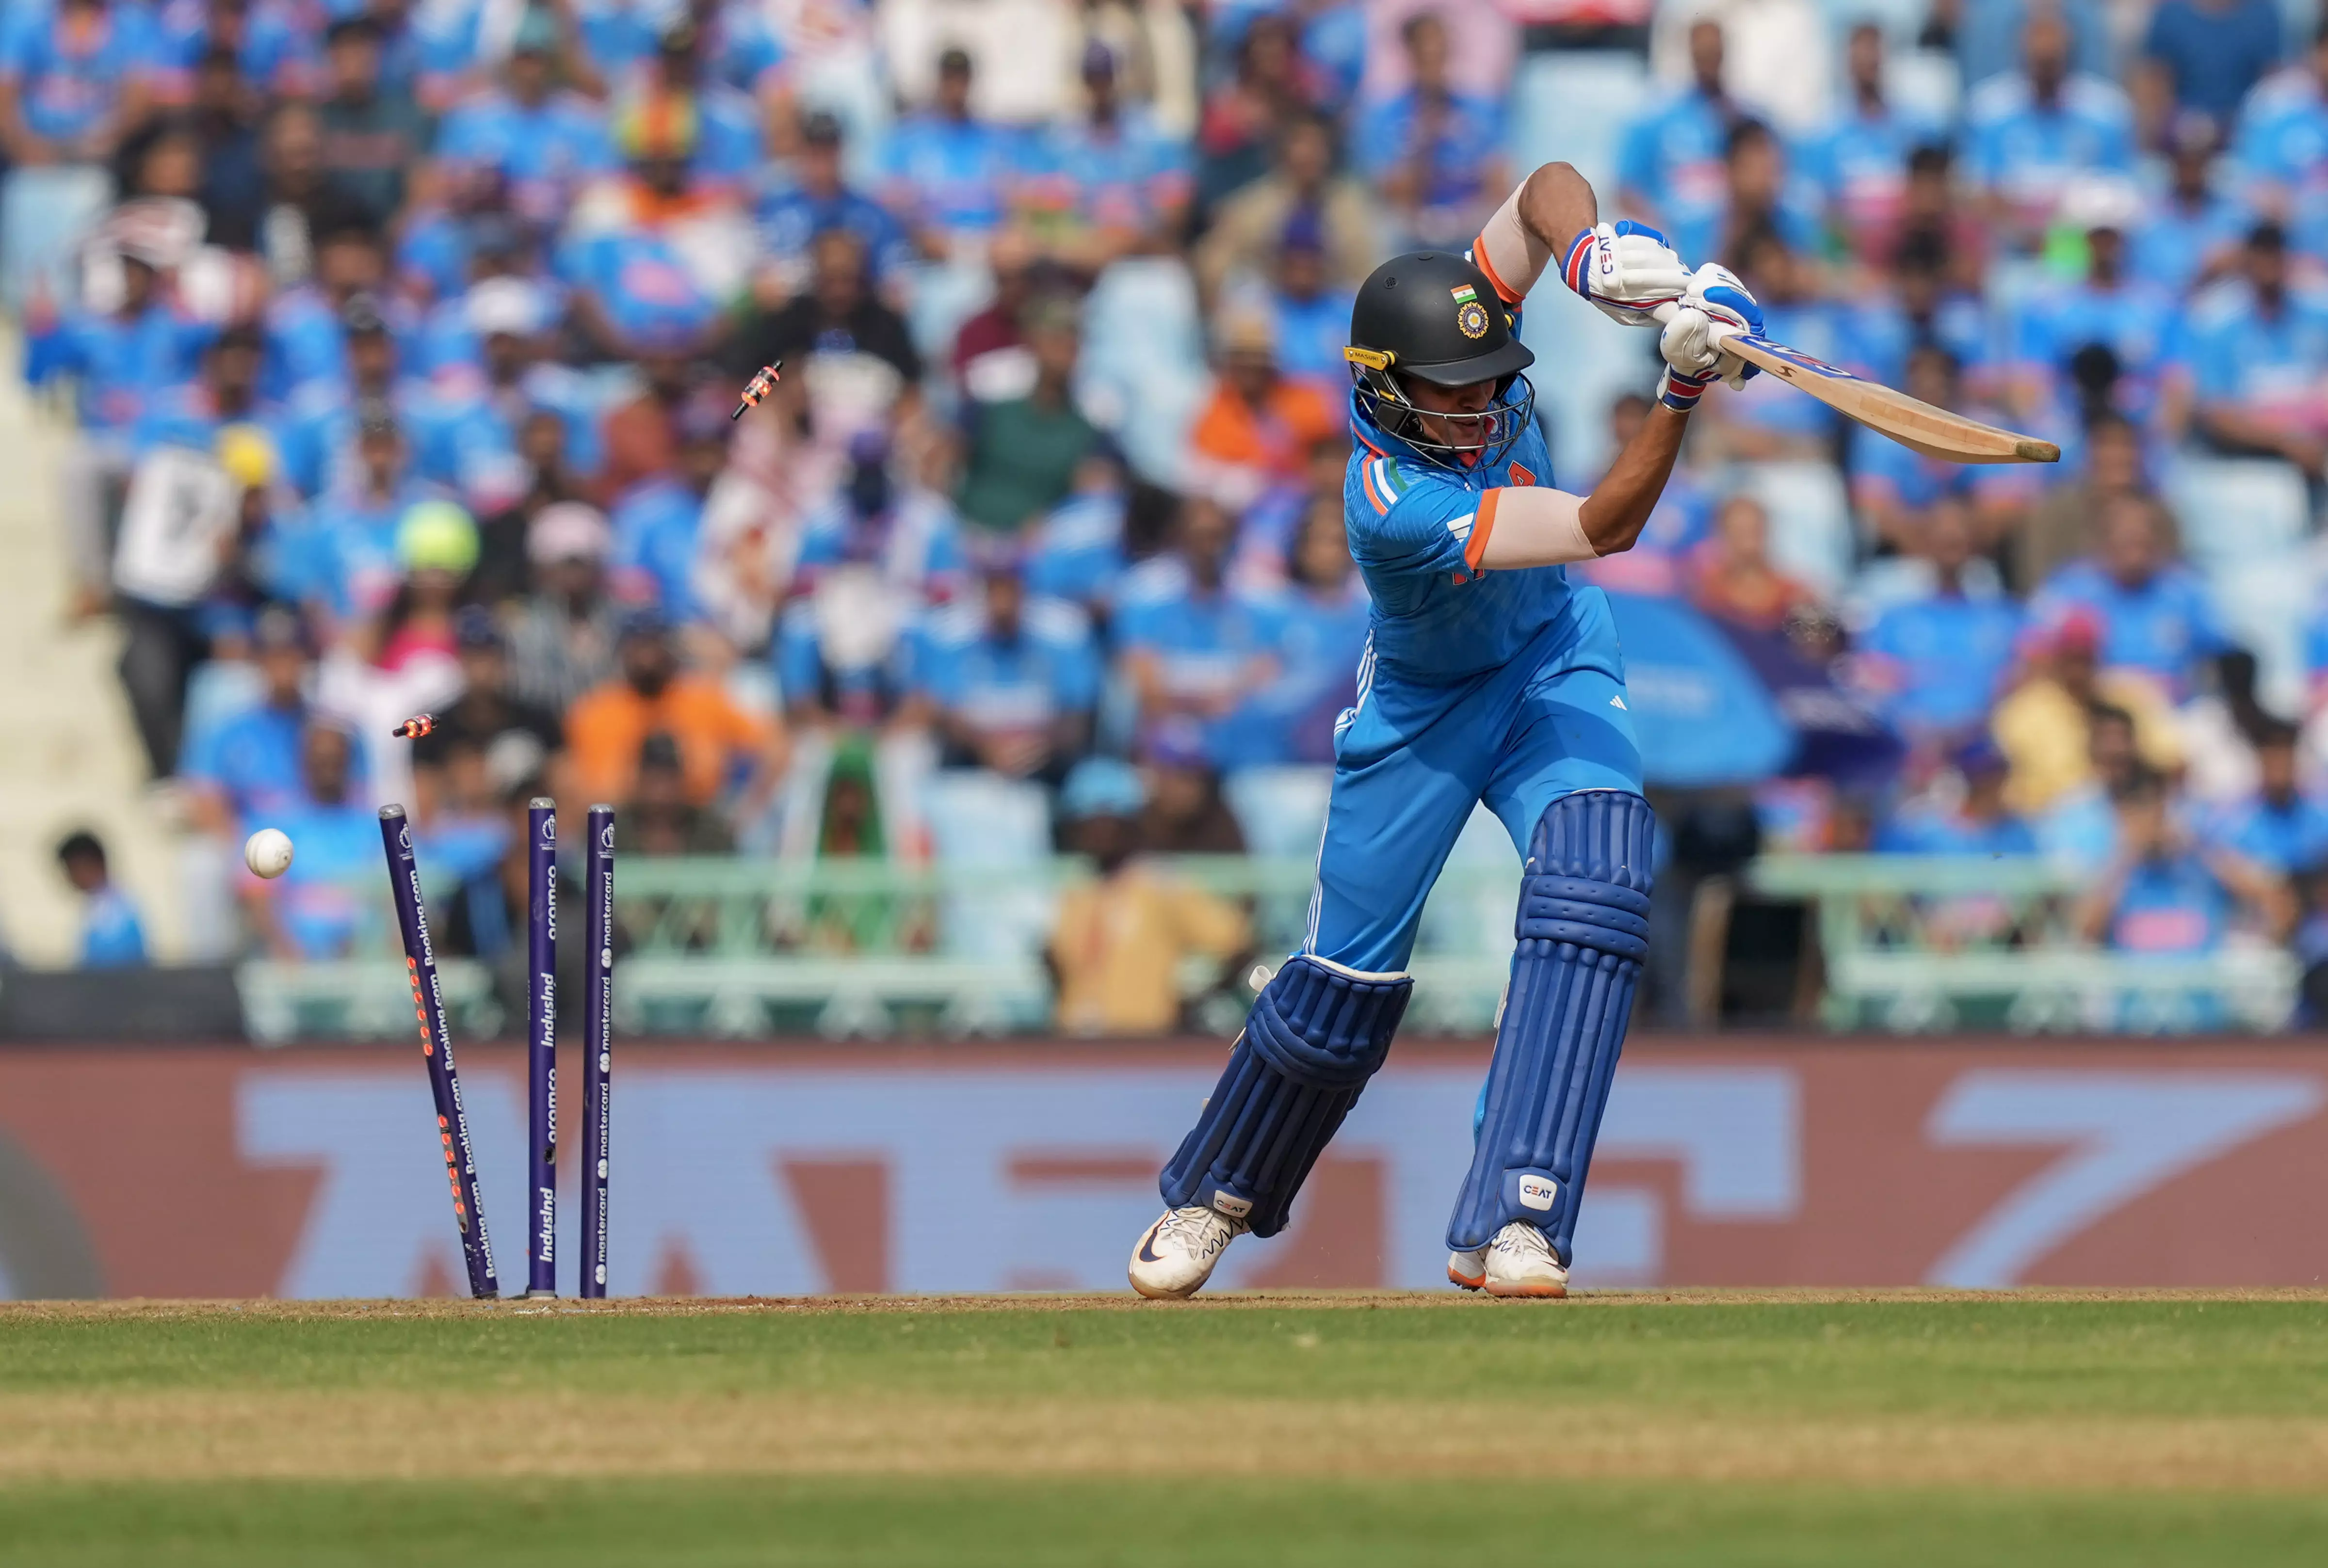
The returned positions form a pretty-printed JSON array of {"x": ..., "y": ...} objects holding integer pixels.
[{"x": 1487, "y": 676}]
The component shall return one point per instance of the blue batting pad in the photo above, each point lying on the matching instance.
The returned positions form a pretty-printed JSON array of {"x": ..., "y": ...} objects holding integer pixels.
[
  {"x": 1317, "y": 1032},
  {"x": 1583, "y": 932}
]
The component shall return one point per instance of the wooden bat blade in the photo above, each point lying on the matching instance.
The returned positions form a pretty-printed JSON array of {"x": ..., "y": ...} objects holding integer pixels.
[{"x": 1918, "y": 426}]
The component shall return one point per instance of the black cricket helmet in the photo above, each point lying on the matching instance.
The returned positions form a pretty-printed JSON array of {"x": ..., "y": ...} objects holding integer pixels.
[{"x": 1432, "y": 316}]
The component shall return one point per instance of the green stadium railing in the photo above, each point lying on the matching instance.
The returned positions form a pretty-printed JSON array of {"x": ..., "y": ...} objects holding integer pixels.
[
  {"x": 1913, "y": 944},
  {"x": 745, "y": 949}
]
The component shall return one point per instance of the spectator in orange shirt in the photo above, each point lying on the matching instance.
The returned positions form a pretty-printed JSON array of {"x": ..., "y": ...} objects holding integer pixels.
[
  {"x": 1258, "y": 427},
  {"x": 651, "y": 696},
  {"x": 1731, "y": 575}
]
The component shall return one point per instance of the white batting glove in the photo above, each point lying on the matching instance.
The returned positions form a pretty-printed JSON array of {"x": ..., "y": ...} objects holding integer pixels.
[
  {"x": 1626, "y": 270},
  {"x": 1693, "y": 357},
  {"x": 1727, "y": 304}
]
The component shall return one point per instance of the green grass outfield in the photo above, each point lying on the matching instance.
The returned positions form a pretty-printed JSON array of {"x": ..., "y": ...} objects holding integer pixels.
[{"x": 1659, "y": 1428}]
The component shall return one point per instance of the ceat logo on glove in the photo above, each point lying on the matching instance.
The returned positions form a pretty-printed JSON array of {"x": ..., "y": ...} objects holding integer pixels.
[{"x": 1538, "y": 1191}]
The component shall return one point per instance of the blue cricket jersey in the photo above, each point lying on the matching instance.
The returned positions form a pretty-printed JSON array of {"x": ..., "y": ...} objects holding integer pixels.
[{"x": 1417, "y": 531}]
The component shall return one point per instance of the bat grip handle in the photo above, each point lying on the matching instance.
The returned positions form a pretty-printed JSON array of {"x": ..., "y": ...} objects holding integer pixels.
[{"x": 1669, "y": 310}]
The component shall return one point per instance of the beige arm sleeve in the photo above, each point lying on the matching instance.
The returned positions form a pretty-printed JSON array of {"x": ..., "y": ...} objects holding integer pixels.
[
  {"x": 1511, "y": 257},
  {"x": 1528, "y": 526}
]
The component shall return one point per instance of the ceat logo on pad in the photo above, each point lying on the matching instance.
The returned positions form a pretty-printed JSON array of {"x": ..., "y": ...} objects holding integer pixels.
[
  {"x": 1537, "y": 1192},
  {"x": 1234, "y": 1208}
]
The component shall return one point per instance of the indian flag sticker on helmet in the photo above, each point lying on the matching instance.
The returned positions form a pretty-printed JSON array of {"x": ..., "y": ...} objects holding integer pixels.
[{"x": 1464, "y": 294}]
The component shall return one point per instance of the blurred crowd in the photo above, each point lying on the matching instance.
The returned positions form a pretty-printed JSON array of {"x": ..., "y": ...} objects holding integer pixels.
[{"x": 404, "y": 339}]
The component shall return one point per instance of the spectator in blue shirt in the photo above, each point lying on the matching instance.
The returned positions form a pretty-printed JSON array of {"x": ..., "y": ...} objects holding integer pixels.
[
  {"x": 1891, "y": 485},
  {"x": 657, "y": 524},
  {"x": 540, "y": 142},
  {"x": 457, "y": 253},
  {"x": 485, "y": 405},
  {"x": 1435, "y": 154},
  {"x": 1985, "y": 34},
  {"x": 2163, "y": 893},
  {"x": 1011, "y": 680},
  {"x": 319, "y": 422},
  {"x": 2259, "y": 362},
  {"x": 2154, "y": 614},
  {"x": 1771, "y": 420},
  {"x": 2191, "y": 231},
  {"x": 111, "y": 935},
  {"x": 1325, "y": 608},
  {"x": 1669, "y": 164},
  {"x": 75, "y": 78},
  {"x": 274, "y": 48},
  {"x": 1077, "y": 552},
  {"x": 818, "y": 199},
  {"x": 2281, "y": 143},
  {"x": 306, "y": 326},
  {"x": 1198, "y": 651},
  {"x": 2204, "y": 55},
  {"x": 2135, "y": 321},
  {"x": 316, "y": 909},
  {"x": 745, "y": 52},
  {"x": 1107, "y": 182},
  {"x": 1922, "y": 307},
  {"x": 1977, "y": 822},
  {"x": 2077, "y": 829},
  {"x": 225, "y": 392},
  {"x": 615, "y": 35},
  {"x": 945, "y": 173},
  {"x": 2279, "y": 827},
  {"x": 2028, "y": 134},
  {"x": 116, "y": 358},
  {"x": 343, "y": 560},
  {"x": 1312, "y": 316},
  {"x": 1939, "y": 660},
  {"x": 1860, "y": 163},
  {"x": 1757, "y": 197},
  {"x": 634, "y": 295},
  {"x": 244, "y": 765}
]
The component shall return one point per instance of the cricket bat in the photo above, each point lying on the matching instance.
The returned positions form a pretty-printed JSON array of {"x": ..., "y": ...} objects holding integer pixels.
[{"x": 1916, "y": 426}]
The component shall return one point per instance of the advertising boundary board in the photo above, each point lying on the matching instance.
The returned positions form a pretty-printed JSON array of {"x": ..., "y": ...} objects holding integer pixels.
[{"x": 799, "y": 1169}]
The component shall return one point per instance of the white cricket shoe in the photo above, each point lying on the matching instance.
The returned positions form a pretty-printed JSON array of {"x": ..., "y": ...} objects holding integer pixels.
[
  {"x": 1520, "y": 1262},
  {"x": 1176, "y": 1256},
  {"x": 1467, "y": 1268}
]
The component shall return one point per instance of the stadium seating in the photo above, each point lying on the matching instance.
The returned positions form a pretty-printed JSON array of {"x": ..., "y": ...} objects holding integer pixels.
[
  {"x": 2234, "y": 509},
  {"x": 983, "y": 822},
  {"x": 2264, "y": 601},
  {"x": 1574, "y": 106},
  {"x": 1144, "y": 349},
  {"x": 1926, "y": 82}
]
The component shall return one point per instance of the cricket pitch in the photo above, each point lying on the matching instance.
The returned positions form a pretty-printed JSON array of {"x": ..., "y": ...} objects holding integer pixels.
[{"x": 1359, "y": 1428}]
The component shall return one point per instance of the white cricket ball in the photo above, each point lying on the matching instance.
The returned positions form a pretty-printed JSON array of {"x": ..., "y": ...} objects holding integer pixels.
[{"x": 268, "y": 852}]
